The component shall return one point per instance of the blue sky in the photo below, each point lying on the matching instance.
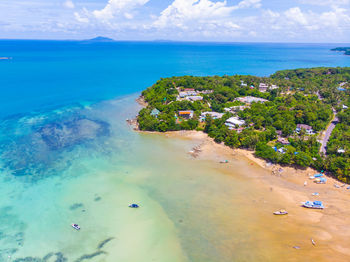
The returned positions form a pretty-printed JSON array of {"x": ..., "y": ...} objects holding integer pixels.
[{"x": 185, "y": 20}]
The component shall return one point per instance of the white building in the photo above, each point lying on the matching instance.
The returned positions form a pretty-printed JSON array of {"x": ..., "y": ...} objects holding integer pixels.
[
  {"x": 232, "y": 122},
  {"x": 251, "y": 99},
  {"x": 214, "y": 115},
  {"x": 194, "y": 98}
]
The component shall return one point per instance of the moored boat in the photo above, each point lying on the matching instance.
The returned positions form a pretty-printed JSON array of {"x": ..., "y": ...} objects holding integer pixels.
[
  {"x": 280, "y": 212},
  {"x": 134, "y": 206},
  {"x": 76, "y": 226},
  {"x": 313, "y": 204}
]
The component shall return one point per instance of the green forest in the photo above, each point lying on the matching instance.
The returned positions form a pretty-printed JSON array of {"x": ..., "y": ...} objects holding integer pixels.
[{"x": 283, "y": 123}]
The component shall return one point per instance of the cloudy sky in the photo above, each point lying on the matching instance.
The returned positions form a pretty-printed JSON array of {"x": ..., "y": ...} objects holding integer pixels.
[{"x": 184, "y": 20}]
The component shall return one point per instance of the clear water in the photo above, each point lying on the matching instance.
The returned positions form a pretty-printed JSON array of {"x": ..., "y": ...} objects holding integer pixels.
[{"x": 67, "y": 155}]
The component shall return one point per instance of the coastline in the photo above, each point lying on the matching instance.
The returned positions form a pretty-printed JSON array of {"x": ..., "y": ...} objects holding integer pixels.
[{"x": 330, "y": 226}]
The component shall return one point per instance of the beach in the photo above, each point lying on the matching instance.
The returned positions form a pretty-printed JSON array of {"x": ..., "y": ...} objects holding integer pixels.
[{"x": 329, "y": 228}]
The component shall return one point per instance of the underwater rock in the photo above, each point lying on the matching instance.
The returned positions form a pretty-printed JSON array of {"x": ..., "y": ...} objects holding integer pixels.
[
  {"x": 104, "y": 242},
  {"x": 76, "y": 206},
  {"x": 65, "y": 134}
]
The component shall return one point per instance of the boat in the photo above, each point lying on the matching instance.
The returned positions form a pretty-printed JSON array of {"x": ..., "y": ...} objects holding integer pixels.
[
  {"x": 224, "y": 161},
  {"x": 280, "y": 212},
  {"x": 313, "y": 242},
  {"x": 134, "y": 206},
  {"x": 313, "y": 204},
  {"x": 315, "y": 194},
  {"x": 76, "y": 226}
]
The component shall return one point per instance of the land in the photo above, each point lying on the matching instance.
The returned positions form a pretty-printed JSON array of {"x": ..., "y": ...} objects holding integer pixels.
[
  {"x": 346, "y": 50},
  {"x": 100, "y": 39},
  {"x": 280, "y": 118}
]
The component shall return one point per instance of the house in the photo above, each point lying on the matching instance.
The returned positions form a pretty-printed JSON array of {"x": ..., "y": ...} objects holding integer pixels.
[
  {"x": 194, "y": 98},
  {"x": 155, "y": 112},
  {"x": 186, "y": 114},
  {"x": 250, "y": 99},
  {"x": 263, "y": 87},
  {"x": 189, "y": 90},
  {"x": 243, "y": 84},
  {"x": 233, "y": 109},
  {"x": 232, "y": 122},
  {"x": 187, "y": 93},
  {"x": 283, "y": 141},
  {"x": 307, "y": 128},
  {"x": 345, "y": 107},
  {"x": 206, "y": 92},
  {"x": 273, "y": 87},
  {"x": 341, "y": 151},
  {"x": 214, "y": 115}
]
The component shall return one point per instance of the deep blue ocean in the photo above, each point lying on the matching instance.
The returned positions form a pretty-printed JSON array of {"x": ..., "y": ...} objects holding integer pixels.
[
  {"x": 46, "y": 74},
  {"x": 68, "y": 156}
]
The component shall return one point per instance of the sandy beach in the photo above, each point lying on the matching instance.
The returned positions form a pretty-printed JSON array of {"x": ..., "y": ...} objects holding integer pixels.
[{"x": 330, "y": 228}]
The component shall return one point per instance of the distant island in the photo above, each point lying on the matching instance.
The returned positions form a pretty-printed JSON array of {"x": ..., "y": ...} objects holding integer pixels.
[
  {"x": 346, "y": 50},
  {"x": 100, "y": 39},
  {"x": 294, "y": 117}
]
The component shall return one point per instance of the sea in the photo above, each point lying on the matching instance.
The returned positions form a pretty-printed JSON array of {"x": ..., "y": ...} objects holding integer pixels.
[{"x": 68, "y": 156}]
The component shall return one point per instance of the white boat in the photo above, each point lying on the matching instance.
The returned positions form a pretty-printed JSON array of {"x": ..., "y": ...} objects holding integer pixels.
[
  {"x": 280, "y": 212},
  {"x": 313, "y": 205},
  {"x": 76, "y": 226}
]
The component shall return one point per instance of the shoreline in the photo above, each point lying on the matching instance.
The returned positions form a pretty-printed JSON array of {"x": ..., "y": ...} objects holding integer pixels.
[{"x": 331, "y": 226}]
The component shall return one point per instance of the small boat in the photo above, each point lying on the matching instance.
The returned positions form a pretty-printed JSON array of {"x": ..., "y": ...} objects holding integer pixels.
[
  {"x": 224, "y": 161},
  {"x": 313, "y": 242},
  {"x": 311, "y": 177},
  {"x": 76, "y": 226},
  {"x": 280, "y": 212},
  {"x": 315, "y": 194},
  {"x": 313, "y": 205},
  {"x": 134, "y": 206}
]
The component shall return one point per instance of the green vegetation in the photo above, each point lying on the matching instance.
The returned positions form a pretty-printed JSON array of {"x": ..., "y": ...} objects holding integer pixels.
[
  {"x": 346, "y": 50},
  {"x": 302, "y": 96}
]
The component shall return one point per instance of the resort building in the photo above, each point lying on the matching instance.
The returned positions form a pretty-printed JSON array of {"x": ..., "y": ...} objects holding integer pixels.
[
  {"x": 263, "y": 87},
  {"x": 194, "y": 98},
  {"x": 250, "y": 99},
  {"x": 214, "y": 115},
  {"x": 187, "y": 93},
  {"x": 206, "y": 92},
  {"x": 186, "y": 114},
  {"x": 234, "y": 109},
  {"x": 307, "y": 128},
  {"x": 155, "y": 112},
  {"x": 243, "y": 84},
  {"x": 273, "y": 87},
  {"x": 232, "y": 122},
  {"x": 283, "y": 141}
]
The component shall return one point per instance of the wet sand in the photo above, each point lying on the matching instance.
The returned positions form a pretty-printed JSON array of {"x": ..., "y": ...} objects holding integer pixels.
[{"x": 329, "y": 228}]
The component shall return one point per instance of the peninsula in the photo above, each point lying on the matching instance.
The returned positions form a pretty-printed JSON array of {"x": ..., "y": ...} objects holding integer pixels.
[
  {"x": 346, "y": 50},
  {"x": 283, "y": 118}
]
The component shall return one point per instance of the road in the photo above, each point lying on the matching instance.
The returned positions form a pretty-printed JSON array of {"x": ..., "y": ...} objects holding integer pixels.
[{"x": 329, "y": 131}]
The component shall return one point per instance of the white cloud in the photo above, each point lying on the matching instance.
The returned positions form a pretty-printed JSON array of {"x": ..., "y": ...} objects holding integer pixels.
[
  {"x": 81, "y": 19},
  {"x": 118, "y": 7},
  {"x": 296, "y": 16},
  {"x": 325, "y": 2},
  {"x": 69, "y": 4},
  {"x": 187, "y": 14}
]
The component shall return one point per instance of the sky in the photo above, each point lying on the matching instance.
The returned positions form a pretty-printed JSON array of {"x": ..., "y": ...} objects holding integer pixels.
[{"x": 303, "y": 21}]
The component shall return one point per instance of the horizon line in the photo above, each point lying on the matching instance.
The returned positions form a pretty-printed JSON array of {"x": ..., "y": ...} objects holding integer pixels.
[{"x": 169, "y": 41}]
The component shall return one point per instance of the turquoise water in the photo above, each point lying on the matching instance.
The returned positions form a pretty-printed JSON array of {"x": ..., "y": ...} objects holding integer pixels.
[{"x": 68, "y": 156}]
